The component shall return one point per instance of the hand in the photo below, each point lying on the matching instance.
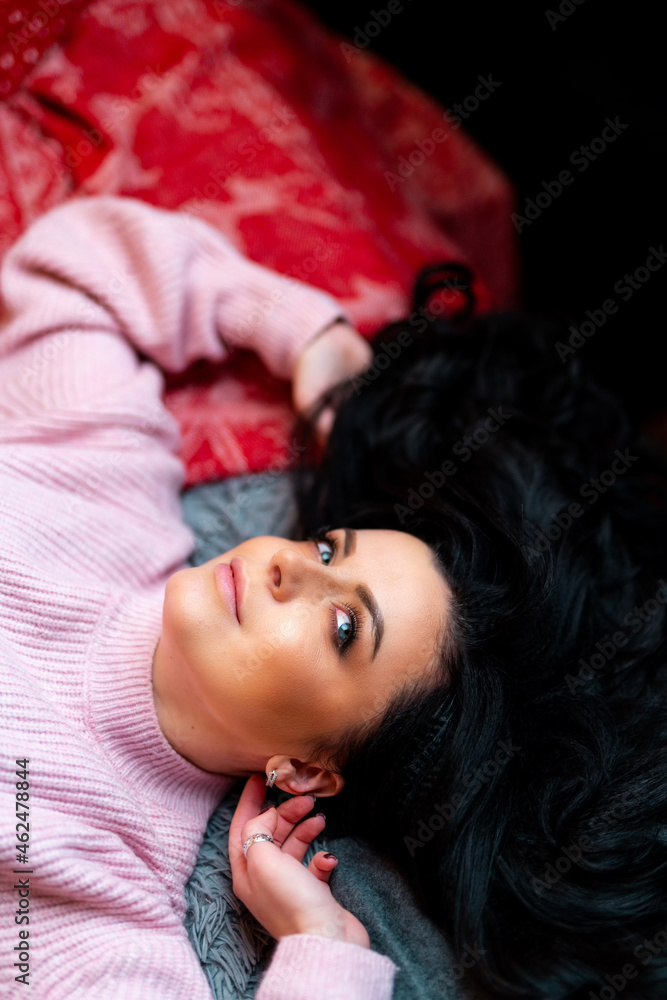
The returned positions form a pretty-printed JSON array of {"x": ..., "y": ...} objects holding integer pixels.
[
  {"x": 336, "y": 354},
  {"x": 284, "y": 895}
]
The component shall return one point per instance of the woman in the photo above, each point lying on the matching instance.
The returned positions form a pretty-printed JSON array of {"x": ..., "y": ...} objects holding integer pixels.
[
  {"x": 377, "y": 664},
  {"x": 134, "y": 690}
]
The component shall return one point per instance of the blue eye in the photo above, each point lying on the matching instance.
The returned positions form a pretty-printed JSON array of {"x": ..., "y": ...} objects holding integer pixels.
[
  {"x": 344, "y": 631},
  {"x": 331, "y": 554}
]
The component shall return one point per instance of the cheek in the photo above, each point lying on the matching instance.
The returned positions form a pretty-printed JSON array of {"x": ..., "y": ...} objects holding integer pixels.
[
  {"x": 193, "y": 621},
  {"x": 277, "y": 700},
  {"x": 283, "y": 675},
  {"x": 286, "y": 657},
  {"x": 182, "y": 612},
  {"x": 286, "y": 638}
]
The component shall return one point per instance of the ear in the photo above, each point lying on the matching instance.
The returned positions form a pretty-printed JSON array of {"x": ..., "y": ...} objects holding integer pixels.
[{"x": 298, "y": 777}]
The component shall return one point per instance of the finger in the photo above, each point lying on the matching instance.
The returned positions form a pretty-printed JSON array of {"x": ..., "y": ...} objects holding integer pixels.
[
  {"x": 290, "y": 813},
  {"x": 247, "y": 808},
  {"x": 302, "y": 835},
  {"x": 322, "y": 865},
  {"x": 265, "y": 823}
]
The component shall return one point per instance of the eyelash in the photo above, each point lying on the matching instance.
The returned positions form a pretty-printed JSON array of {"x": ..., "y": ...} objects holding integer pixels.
[{"x": 343, "y": 648}]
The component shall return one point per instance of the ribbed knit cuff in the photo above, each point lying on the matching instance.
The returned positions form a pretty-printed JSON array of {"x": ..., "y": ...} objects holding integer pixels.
[{"x": 307, "y": 966}]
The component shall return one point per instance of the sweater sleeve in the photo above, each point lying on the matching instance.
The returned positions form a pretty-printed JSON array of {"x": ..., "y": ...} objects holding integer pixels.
[
  {"x": 164, "y": 283},
  {"x": 310, "y": 967}
]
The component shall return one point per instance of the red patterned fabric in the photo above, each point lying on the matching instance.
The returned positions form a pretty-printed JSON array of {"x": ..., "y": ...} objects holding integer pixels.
[
  {"x": 27, "y": 30},
  {"x": 313, "y": 157}
]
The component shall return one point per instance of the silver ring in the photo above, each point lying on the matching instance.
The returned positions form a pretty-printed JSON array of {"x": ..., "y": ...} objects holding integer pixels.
[{"x": 253, "y": 840}]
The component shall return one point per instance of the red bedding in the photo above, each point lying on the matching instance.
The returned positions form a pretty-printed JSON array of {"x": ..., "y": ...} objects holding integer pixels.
[{"x": 313, "y": 157}]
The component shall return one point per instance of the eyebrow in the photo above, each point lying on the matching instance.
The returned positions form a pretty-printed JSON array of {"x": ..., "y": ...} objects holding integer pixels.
[{"x": 364, "y": 594}]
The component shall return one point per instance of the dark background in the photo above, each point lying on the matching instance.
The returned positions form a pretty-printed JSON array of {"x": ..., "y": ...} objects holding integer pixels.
[{"x": 558, "y": 84}]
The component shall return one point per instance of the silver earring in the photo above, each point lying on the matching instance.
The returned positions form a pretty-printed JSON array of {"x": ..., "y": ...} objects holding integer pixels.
[{"x": 271, "y": 779}]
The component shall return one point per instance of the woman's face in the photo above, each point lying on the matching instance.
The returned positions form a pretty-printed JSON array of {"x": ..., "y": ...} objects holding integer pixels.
[{"x": 327, "y": 633}]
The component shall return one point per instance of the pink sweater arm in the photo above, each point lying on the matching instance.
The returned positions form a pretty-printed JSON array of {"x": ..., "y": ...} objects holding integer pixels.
[{"x": 171, "y": 285}]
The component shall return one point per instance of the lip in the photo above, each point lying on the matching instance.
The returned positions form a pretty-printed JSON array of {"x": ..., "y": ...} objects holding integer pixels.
[
  {"x": 240, "y": 583},
  {"x": 224, "y": 581}
]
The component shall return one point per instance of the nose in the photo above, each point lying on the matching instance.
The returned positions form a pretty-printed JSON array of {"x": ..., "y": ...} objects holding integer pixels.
[{"x": 291, "y": 571}]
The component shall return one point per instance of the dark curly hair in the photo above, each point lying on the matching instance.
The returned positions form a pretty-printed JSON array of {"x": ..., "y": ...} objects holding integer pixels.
[{"x": 525, "y": 794}]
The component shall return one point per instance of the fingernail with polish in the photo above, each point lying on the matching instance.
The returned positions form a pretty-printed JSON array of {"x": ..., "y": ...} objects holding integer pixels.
[
  {"x": 265, "y": 808},
  {"x": 331, "y": 856}
]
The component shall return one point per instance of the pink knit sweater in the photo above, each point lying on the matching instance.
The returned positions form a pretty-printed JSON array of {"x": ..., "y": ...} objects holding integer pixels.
[{"x": 98, "y": 295}]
